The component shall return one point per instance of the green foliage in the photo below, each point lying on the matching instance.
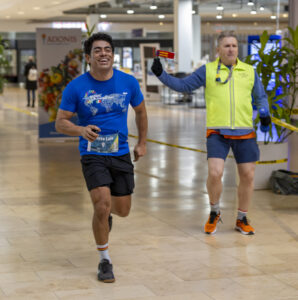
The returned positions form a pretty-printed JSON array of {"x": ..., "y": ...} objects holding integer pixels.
[
  {"x": 282, "y": 63},
  {"x": 89, "y": 30},
  {"x": 86, "y": 36},
  {"x": 4, "y": 65}
]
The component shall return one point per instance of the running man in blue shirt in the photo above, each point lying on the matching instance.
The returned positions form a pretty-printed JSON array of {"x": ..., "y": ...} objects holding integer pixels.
[
  {"x": 101, "y": 99},
  {"x": 229, "y": 87}
]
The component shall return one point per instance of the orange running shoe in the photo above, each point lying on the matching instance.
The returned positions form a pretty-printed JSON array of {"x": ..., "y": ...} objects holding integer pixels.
[
  {"x": 210, "y": 226},
  {"x": 244, "y": 227}
]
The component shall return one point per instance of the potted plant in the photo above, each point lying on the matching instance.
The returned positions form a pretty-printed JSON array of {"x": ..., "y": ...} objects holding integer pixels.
[
  {"x": 4, "y": 64},
  {"x": 281, "y": 64}
]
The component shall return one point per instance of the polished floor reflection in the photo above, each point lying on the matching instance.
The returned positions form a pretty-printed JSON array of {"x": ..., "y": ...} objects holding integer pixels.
[{"x": 160, "y": 251}]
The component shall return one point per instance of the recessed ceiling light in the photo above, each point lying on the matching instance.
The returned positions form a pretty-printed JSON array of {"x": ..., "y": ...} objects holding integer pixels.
[
  {"x": 285, "y": 15},
  {"x": 250, "y": 3},
  {"x": 160, "y": 23},
  {"x": 103, "y": 16},
  {"x": 253, "y": 12},
  {"x": 262, "y": 8},
  {"x": 130, "y": 11},
  {"x": 193, "y": 12},
  {"x": 273, "y": 17},
  {"x": 219, "y": 17},
  {"x": 153, "y": 6},
  {"x": 234, "y": 15},
  {"x": 161, "y": 16}
]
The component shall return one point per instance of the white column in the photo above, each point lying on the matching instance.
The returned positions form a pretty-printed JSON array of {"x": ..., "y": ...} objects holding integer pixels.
[
  {"x": 196, "y": 37},
  {"x": 293, "y": 139},
  {"x": 293, "y": 13},
  {"x": 92, "y": 20},
  {"x": 183, "y": 34}
]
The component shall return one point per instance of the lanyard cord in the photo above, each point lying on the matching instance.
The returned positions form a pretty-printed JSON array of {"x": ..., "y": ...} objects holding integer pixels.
[{"x": 217, "y": 78}]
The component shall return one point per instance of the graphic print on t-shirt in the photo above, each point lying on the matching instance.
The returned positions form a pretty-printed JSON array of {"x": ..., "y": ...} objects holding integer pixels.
[{"x": 107, "y": 101}]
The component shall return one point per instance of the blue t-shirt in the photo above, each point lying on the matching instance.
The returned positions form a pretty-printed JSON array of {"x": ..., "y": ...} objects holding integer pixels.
[{"x": 104, "y": 104}]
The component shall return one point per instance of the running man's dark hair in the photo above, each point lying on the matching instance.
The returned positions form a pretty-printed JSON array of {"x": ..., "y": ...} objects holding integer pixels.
[{"x": 97, "y": 37}]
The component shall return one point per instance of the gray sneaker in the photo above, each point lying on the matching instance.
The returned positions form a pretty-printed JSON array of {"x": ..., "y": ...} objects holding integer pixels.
[{"x": 105, "y": 271}]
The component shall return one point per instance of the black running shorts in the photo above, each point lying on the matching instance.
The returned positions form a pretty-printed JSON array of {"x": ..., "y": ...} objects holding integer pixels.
[{"x": 116, "y": 172}]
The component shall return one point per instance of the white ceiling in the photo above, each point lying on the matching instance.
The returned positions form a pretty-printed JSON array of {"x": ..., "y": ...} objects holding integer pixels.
[
  {"x": 48, "y": 10},
  {"x": 39, "y": 9}
]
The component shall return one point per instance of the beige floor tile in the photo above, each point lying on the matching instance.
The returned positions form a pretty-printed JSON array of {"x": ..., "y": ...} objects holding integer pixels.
[
  {"x": 18, "y": 277},
  {"x": 192, "y": 296},
  {"x": 21, "y": 288},
  {"x": 290, "y": 279},
  {"x": 89, "y": 294},
  {"x": 267, "y": 285},
  {"x": 32, "y": 296}
]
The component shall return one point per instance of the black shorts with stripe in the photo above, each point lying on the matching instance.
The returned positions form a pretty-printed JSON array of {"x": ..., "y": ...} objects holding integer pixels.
[{"x": 116, "y": 172}]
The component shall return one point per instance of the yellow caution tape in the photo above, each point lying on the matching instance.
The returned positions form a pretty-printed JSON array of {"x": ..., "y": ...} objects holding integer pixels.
[
  {"x": 284, "y": 124},
  {"x": 171, "y": 145},
  {"x": 278, "y": 161},
  {"x": 24, "y": 111}
]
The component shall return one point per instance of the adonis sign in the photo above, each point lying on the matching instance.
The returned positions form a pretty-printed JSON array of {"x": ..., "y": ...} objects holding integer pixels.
[
  {"x": 59, "y": 57},
  {"x": 58, "y": 39}
]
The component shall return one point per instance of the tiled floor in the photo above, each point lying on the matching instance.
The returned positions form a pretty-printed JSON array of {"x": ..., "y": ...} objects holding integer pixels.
[{"x": 160, "y": 251}]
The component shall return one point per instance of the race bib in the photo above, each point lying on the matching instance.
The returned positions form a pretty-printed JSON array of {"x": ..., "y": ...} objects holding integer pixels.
[{"x": 105, "y": 144}]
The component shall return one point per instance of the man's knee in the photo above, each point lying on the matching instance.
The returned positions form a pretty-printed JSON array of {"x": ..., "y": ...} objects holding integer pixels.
[
  {"x": 247, "y": 176},
  {"x": 102, "y": 208},
  {"x": 121, "y": 205},
  {"x": 123, "y": 211},
  {"x": 215, "y": 174}
]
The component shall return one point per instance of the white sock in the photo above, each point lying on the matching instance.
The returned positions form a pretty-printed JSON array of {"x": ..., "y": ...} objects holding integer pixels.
[
  {"x": 241, "y": 214},
  {"x": 104, "y": 252},
  {"x": 215, "y": 207}
]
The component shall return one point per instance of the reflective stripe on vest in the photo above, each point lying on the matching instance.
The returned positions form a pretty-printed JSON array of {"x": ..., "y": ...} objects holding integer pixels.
[{"x": 229, "y": 105}]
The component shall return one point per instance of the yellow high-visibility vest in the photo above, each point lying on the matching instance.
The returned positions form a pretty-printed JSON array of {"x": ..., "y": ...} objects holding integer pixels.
[{"x": 229, "y": 105}]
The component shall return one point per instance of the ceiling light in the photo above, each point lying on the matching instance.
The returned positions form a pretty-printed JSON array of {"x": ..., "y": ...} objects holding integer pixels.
[
  {"x": 130, "y": 11},
  {"x": 219, "y": 16},
  {"x": 253, "y": 11},
  {"x": 103, "y": 16},
  {"x": 219, "y": 7},
  {"x": 262, "y": 8},
  {"x": 161, "y": 16},
  {"x": 285, "y": 15},
  {"x": 160, "y": 23},
  {"x": 153, "y": 6},
  {"x": 273, "y": 17},
  {"x": 193, "y": 12},
  {"x": 250, "y": 3},
  {"x": 234, "y": 15}
]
